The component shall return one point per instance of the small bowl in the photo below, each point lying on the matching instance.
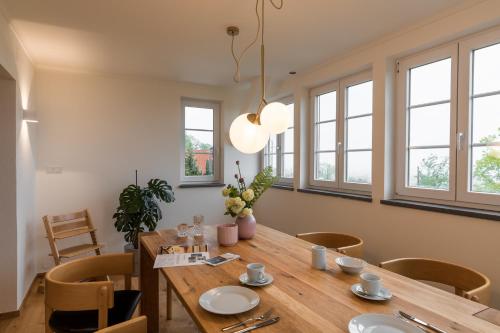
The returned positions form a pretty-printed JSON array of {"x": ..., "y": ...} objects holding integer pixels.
[{"x": 350, "y": 265}]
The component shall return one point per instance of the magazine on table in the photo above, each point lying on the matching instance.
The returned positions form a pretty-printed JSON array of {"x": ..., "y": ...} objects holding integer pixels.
[{"x": 179, "y": 255}]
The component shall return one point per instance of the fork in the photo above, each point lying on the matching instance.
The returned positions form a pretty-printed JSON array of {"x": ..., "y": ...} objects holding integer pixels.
[{"x": 263, "y": 316}]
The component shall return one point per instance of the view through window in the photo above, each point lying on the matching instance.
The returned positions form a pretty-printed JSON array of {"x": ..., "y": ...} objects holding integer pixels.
[{"x": 199, "y": 138}]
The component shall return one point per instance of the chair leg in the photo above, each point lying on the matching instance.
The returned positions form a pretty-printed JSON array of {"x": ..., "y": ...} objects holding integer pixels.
[
  {"x": 48, "y": 313},
  {"x": 169, "y": 301}
]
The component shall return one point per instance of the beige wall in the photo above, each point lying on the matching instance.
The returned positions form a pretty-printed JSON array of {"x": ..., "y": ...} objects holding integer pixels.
[
  {"x": 18, "y": 168},
  {"x": 99, "y": 129},
  {"x": 389, "y": 232}
]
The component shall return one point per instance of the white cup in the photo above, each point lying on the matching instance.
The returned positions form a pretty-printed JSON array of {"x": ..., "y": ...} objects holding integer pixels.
[
  {"x": 318, "y": 257},
  {"x": 255, "y": 272},
  {"x": 370, "y": 283}
]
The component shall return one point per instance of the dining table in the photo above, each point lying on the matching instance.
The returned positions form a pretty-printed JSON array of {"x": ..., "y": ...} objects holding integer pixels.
[{"x": 306, "y": 299}]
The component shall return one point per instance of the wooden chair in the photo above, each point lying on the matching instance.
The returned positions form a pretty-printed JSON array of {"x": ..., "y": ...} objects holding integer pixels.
[
  {"x": 70, "y": 225},
  {"x": 75, "y": 306},
  {"x": 135, "y": 325},
  {"x": 467, "y": 282},
  {"x": 346, "y": 244}
]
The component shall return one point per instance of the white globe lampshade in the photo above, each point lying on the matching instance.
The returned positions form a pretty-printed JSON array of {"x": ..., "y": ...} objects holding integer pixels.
[
  {"x": 274, "y": 117},
  {"x": 246, "y": 136}
]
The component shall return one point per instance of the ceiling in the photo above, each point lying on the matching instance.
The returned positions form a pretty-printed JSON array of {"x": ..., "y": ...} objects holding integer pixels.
[{"x": 185, "y": 40}]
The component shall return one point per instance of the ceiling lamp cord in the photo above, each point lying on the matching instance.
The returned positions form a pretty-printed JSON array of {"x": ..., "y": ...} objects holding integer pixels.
[
  {"x": 237, "y": 59},
  {"x": 250, "y": 132}
]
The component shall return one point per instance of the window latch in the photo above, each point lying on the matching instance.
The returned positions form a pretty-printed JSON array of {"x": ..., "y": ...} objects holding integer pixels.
[
  {"x": 460, "y": 141},
  {"x": 339, "y": 147}
]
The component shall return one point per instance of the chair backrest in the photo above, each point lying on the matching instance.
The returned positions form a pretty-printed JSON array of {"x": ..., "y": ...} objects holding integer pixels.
[
  {"x": 135, "y": 325},
  {"x": 69, "y": 225},
  {"x": 69, "y": 221},
  {"x": 467, "y": 282},
  {"x": 65, "y": 291},
  {"x": 345, "y": 244}
]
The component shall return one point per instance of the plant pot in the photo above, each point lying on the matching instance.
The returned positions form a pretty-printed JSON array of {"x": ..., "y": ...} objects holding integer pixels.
[
  {"x": 246, "y": 226},
  {"x": 227, "y": 234},
  {"x": 129, "y": 248}
]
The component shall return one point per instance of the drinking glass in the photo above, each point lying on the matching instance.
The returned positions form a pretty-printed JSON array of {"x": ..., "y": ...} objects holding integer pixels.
[
  {"x": 182, "y": 230},
  {"x": 198, "y": 227}
]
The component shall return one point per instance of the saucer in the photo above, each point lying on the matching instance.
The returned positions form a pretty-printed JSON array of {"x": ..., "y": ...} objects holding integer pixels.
[
  {"x": 384, "y": 295},
  {"x": 268, "y": 279}
]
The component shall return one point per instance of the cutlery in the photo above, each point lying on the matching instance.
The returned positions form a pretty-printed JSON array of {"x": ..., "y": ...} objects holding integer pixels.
[
  {"x": 259, "y": 325},
  {"x": 423, "y": 329},
  {"x": 421, "y": 322},
  {"x": 263, "y": 316}
]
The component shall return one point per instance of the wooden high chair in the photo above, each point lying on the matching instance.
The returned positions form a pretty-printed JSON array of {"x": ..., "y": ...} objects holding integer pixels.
[{"x": 70, "y": 225}]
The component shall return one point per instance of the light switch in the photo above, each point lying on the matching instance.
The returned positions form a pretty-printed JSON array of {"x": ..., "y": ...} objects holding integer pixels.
[{"x": 54, "y": 169}]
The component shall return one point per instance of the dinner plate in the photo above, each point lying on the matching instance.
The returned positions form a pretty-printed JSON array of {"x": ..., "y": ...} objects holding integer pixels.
[
  {"x": 229, "y": 300},
  {"x": 384, "y": 295},
  {"x": 380, "y": 323},
  {"x": 268, "y": 279}
]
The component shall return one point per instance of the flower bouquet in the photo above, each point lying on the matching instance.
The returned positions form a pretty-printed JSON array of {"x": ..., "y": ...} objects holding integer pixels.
[{"x": 241, "y": 199}]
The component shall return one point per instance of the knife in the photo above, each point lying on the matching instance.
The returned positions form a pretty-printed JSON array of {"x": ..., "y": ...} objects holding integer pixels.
[
  {"x": 421, "y": 322},
  {"x": 259, "y": 325}
]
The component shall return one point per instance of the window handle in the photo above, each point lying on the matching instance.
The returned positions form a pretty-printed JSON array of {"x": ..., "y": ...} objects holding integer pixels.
[
  {"x": 339, "y": 147},
  {"x": 460, "y": 141}
]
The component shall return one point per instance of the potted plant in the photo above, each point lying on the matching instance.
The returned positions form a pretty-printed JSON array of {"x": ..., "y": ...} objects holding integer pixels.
[
  {"x": 241, "y": 199},
  {"x": 139, "y": 210}
]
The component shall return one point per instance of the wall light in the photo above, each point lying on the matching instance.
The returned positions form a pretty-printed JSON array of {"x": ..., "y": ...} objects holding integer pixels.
[{"x": 29, "y": 116}]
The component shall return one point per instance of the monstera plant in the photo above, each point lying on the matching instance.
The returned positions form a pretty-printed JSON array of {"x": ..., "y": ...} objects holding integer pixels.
[{"x": 139, "y": 208}]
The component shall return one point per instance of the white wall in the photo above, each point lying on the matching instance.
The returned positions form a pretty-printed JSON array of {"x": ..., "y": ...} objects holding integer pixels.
[
  {"x": 389, "y": 232},
  {"x": 99, "y": 129},
  {"x": 17, "y": 259}
]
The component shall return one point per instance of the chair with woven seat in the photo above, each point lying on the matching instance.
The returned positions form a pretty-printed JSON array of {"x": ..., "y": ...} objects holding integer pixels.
[
  {"x": 136, "y": 325},
  {"x": 467, "y": 282},
  {"x": 73, "y": 306},
  {"x": 346, "y": 244}
]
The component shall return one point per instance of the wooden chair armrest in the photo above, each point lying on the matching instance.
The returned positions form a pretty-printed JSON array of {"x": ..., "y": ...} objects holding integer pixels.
[{"x": 134, "y": 325}]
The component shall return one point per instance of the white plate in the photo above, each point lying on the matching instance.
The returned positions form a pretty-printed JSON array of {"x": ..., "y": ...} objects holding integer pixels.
[
  {"x": 229, "y": 300},
  {"x": 380, "y": 323},
  {"x": 384, "y": 295},
  {"x": 268, "y": 279}
]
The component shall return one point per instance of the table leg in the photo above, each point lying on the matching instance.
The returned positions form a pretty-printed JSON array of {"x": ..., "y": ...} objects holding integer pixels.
[
  {"x": 149, "y": 287},
  {"x": 169, "y": 301}
]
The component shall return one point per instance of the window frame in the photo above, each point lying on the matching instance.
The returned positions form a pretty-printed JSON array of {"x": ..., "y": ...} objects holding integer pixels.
[
  {"x": 402, "y": 122},
  {"x": 217, "y": 165},
  {"x": 313, "y": 96},
  {"x": 340, "y": 183},
  {"x": 345, "y": 83},
  {"x": 280, "y": 141},
  {"x": 467, "y": 46}
]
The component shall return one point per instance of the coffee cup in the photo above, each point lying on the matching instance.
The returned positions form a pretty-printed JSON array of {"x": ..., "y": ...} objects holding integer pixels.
[
  {"x": 255, "y": 272},
  {"x": 371, "y": 284}
]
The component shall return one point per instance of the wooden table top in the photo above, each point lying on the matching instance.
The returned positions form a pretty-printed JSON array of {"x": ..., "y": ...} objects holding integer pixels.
[{"x": 306, "y": 299}]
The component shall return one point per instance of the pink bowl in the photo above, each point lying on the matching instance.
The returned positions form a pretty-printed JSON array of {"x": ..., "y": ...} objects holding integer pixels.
[{"x": 227, "y": 234}]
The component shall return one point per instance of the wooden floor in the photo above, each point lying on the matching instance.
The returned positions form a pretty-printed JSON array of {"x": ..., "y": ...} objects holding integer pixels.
[{"x": 32, "y": 315}]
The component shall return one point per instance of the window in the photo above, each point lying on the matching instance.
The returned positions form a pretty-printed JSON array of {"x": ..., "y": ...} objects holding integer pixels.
[
  {"x": 200, "y": 141},
  {"x": 342, "y": 134},
  {"x": 479, "y": 119},
  {"x": 448, "y": 141},
  {"x": 279, "y": 151}
]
